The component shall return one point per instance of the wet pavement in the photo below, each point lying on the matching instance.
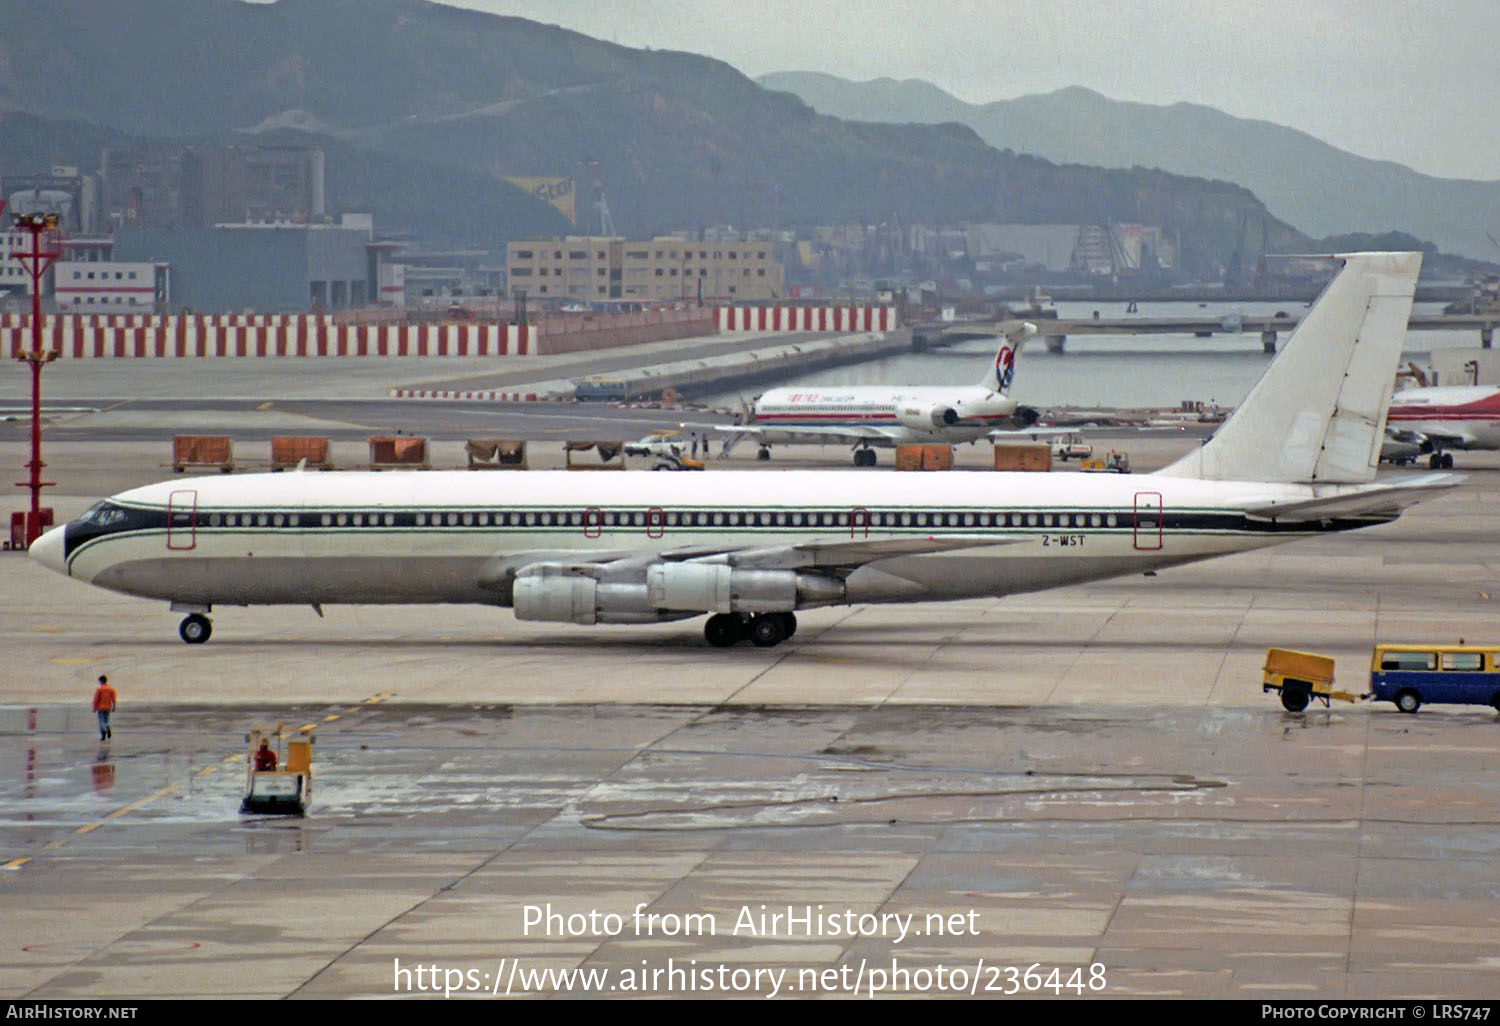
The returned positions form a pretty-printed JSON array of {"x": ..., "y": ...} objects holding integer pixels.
[
  {"x": 933, "y": 799},
  {"x": 1226, "y": 852}
]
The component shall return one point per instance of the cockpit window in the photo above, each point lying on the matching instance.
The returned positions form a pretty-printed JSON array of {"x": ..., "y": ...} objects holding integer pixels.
[
  {"x": 104, "y": 514},
  {"x": 110, "y": 518}
]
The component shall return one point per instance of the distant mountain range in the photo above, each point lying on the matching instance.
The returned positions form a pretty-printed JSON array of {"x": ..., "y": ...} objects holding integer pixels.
[
  {"x": 425, "y": 108},
  {"x": 1303, "y": 181}
]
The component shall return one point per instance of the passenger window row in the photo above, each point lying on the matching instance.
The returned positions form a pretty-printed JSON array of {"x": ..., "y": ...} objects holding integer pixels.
[{"x": 595, "y": 517}]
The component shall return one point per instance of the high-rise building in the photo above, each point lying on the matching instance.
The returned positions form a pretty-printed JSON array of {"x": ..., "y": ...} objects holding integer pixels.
[{"x": 171, "y": 186}]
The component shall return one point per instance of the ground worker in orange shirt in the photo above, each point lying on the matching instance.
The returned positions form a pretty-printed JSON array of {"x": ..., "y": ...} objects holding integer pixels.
[{"x": 105, "y": 698}]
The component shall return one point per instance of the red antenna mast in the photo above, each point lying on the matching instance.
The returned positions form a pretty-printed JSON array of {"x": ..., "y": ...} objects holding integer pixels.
[{"x": 45, "y": 249}]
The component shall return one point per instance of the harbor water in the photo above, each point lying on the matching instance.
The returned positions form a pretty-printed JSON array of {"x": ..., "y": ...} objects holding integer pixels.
[{"x": 1110, "y": 370}]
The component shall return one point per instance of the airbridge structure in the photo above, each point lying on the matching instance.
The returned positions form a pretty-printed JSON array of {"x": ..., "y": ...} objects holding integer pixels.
[{"x": 1270, "y": 328}]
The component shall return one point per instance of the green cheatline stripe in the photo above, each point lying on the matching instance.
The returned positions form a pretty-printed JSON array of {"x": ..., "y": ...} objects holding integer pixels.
[
  {"x": 573, "y": 531},
  {"x": 694, "y": 508}
]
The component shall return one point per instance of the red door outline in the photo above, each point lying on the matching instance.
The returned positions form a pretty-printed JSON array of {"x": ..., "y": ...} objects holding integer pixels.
[
  {"x": 656, "y": 522},
  {"x": 593, "y": 522},
  {"x": 859, "y": 520},
  {"x": 1147, "y": 521},
  {"x": 182, "y": 520}
]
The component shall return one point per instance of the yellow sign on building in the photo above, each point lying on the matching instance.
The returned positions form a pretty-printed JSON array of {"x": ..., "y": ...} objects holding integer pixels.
[{"x": 557, "y": 191}]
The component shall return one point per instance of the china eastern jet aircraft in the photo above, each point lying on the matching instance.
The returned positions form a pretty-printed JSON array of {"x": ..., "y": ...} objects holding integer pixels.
[
  {"x": 748, "y": 548},
  {"x": 1448, "y": 417},
  {"x": 865, "y": 416}
]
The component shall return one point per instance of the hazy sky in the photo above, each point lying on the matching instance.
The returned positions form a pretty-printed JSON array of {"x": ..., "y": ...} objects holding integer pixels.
[{"x": 1403, "y": 80}]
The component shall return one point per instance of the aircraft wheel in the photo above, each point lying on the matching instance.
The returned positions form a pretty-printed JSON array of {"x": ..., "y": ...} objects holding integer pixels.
[
  {"x": 767, "y": 630},
  {"x": 195, "y": 629},
  {"x": 724, "y": 629},
  {"x": 1435, "y": 461},
  {"x": 764, "y": 454},
  {"x": 1447, "y": 461},
  {"x": 788, "y": 624},
  {"x": 1408, "y": 701}
]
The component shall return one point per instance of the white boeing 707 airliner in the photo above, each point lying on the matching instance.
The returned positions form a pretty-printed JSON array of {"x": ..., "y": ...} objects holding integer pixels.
[{"x": 1298, "y": 458}]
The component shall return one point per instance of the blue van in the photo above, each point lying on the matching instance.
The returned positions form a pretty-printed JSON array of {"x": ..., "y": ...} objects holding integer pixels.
[
  {"x": 601, "y": 390},
  {"x": 1410, "y": 675}
]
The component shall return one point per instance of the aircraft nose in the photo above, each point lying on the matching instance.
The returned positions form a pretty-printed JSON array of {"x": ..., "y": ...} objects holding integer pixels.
[{"x": 48, "y": 550}]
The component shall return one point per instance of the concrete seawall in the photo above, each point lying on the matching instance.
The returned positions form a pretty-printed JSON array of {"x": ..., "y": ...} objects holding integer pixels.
[{"x": 732, "y": 369}]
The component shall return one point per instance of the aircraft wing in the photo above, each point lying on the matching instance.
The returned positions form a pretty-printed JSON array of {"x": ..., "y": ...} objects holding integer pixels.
[
  {"x": 819, "y": 554},
  {"x": 1370, "y": 500},
  {"x": 1445, "y": 440},
  {"x": 1033, "y": 433},
  {"x": 810, "y": 434},
  {"x": 831, "y": 555}
]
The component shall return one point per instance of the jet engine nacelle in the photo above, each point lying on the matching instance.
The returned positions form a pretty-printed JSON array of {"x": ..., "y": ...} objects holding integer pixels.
[
  {"x": 926, "y": 416},
  {"x": 559, "y": 593},
  {"x": 1025, "y": 416},
  {"x": 718, "y": 588}
]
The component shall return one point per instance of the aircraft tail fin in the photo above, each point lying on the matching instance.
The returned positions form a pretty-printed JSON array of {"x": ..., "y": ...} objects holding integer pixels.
[
  {"x": 1318, "y": 413},
  {"x": 1001, "y": 375}
]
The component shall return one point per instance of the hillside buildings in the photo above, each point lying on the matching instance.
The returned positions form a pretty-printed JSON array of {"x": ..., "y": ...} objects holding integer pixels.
[
  {"x": 664, "y": 269},
  {"x": 216, "y": 228}
]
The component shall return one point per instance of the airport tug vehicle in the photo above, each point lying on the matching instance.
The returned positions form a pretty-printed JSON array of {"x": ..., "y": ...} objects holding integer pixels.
[
  {"x": 281, "y": 786},
  {"x": 1300, "y": 677},
  {"x": 1412, "y": 676}
]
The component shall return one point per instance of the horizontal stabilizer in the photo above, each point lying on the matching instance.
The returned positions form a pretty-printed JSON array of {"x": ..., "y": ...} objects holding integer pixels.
[{"x": 1368, "y": 501}]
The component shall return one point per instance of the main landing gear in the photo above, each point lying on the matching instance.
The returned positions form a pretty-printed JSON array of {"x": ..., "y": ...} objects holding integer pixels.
[
  {"x": 762, "y": 630},
  {"x": 864, "y": 457},
  {"x": 196, "y": 629}
]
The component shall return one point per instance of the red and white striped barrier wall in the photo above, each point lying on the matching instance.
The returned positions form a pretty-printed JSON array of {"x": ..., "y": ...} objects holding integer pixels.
[
  {"x": 807, "y": 318},
  {"x": 489, "y": 396},
  {"x": 83, "y": 336}
]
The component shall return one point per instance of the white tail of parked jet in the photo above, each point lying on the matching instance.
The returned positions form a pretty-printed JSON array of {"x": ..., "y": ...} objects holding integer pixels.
[
  {"x": 1290, "y": 428},
  {"x": 1002, "y": 373}
]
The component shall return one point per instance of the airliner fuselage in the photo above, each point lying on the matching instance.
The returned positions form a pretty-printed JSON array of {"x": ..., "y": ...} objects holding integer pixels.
[
  {"x": 1452, "y": 417},
  {"x": 461, "y": 537},
  {"x": 913, "y": 415}
]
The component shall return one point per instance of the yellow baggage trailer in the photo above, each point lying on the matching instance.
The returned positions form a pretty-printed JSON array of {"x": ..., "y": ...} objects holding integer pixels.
[{"x": 1300, "y": 677}]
